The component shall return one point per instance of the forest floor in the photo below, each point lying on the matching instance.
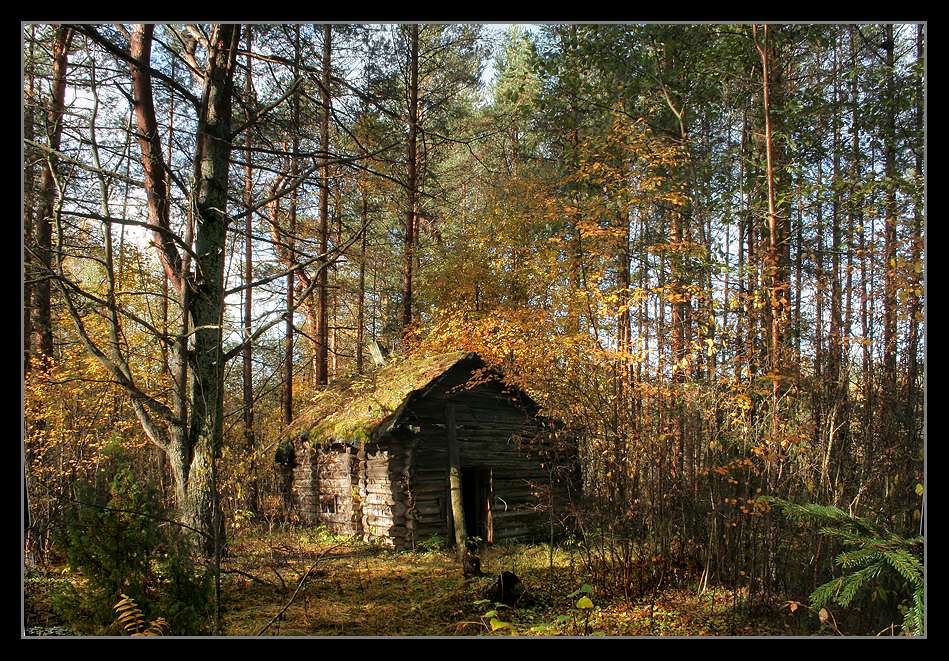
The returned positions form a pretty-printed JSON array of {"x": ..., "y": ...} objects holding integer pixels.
[{"x": 356, "y": 589}]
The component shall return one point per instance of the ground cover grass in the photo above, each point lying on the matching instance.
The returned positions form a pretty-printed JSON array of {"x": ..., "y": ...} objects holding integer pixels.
[
  {"x": 308, "y": 582},
  {"x": 363, "y": 590}
]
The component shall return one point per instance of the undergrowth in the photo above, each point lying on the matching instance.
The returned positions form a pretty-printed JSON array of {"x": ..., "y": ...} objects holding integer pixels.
[{"x": 361, "y": 590}]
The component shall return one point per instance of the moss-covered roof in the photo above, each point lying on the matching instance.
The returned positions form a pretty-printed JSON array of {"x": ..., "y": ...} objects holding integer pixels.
[{"x": 351, "y": 409}]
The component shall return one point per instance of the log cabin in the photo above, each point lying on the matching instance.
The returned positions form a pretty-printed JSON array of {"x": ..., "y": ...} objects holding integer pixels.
[{"x": 430, "y": 445}]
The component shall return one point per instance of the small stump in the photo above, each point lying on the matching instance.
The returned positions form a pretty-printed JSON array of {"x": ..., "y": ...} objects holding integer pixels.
[
  {"x": 506, "y": 589},
  {"x": 471, "y": 565}
]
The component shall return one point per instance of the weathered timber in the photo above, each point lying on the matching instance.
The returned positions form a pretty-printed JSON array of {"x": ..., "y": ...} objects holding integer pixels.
[
  {"x": 454, "y": 482},
  {"x": 384, "y": 452}
]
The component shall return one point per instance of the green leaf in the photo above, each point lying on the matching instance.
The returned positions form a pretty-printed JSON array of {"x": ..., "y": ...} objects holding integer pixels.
[
  {"x": 584, "y": 602},
  {"x": 587, "y": 588},
  {"x": 498, "y": 624},
  {"x": 490, "y": 613}
]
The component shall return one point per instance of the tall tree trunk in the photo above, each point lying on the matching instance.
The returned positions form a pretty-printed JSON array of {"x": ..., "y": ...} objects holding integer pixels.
[
  {"x": 778, "y": 287},
  {"x": 412, "y": 184},
  {"x": 29, "y": 192},
  {"x": 915, "y": 306},
  {"x": 819, "y": 291},
  {"x": 752, "y": 268},
  {"x": 819, "y": 356},
  {"x": 250, "y": 488},
  {"x": 41, "y": 323},
  {"x": 361, "y": 303},
  {"x": 291, "y": 240},
  {"x": 889, "y": 250},
  {"x": 838, "y": 391},
  {"x": 334, "y": 304},
  {"x": 623, "y": 328},
  {"x": 191, "y": 438},
  {"x": 799, "y": 273},
  {"x": 743, "y": 230},
  {"x": 322, "y": 334},
  {"x": 287, "y": 395},
  {"x": 857, "y": 225},
  {"x": 836, "y": 315},
  {"x": 207, "y": 307},
  {"x": 29, "y": 273}
]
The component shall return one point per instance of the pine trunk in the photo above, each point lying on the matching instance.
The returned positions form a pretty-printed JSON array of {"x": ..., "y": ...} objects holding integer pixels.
[
  {"x": 411, "y": 184},
  {"x": 41, "y": 324}
]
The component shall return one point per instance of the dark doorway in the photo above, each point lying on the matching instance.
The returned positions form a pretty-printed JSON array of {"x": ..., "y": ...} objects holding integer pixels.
[{"x": 477, "y": 497}]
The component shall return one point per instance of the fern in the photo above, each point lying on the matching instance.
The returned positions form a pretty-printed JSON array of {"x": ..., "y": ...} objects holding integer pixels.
[
  {"x": 877, "y": 552},
  {"x": 130, "y": 616}
]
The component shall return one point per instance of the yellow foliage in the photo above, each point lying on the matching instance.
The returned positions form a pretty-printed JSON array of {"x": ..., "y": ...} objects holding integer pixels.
[{"x": 130, "y": 616}]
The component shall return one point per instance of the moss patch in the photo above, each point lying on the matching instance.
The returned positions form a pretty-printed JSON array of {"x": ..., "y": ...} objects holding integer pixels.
[{"x": 350, "y": 409}]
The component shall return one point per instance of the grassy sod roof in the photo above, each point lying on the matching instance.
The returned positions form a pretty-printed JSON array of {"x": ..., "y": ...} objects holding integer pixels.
[{"x": 351, "y": 409}]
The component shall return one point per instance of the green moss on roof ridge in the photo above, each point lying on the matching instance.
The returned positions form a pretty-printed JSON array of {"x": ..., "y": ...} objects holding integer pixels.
[{"x": 350, "y": 409}]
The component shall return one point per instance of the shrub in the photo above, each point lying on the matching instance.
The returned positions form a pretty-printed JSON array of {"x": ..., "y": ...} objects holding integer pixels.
[
  {"x": 434, "y": 544},
  {"x": 123, "y": 547},
  {"x": 878, "y": 562}
]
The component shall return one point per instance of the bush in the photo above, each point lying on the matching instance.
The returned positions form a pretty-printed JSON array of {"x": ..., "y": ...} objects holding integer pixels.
[
  {"x": 433, "y": 544},
  {"x": 122, "y": 547},
  {"x": 878, "y": 564}
]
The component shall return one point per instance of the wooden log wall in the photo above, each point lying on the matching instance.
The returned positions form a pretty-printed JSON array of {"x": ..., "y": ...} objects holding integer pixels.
[
  {"x": 491, "y": 433},
  {"x": 384, "y": 494},
  {"x": 335, "y": 467},
  {"x": 305, "y": 488},
  {"x": 327, "y": 472}
]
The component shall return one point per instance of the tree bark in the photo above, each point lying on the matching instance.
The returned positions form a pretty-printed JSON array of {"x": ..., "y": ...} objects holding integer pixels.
[
  {"x": 207, "y": 307},
  {"x": 836, "y": 307},
  {"x": 149, "y": 140},
  {"x": 41, "y": 323},
  {"x": 322, "y": 332},
  {"x": 361, "y": 303},
  {"x": 778, "y": 286},
  {"x": 29, "y": 192},
  {"x": 291, "y": 242},
  {"x": 250, "y": 488},
  {"x": 915, "y": 305},
  {"x": 623, "y": 328},
  {"x": 412, "y": 183},
  {"x": 889, "y": 248},
  {"x": 193, "y": 438}
]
